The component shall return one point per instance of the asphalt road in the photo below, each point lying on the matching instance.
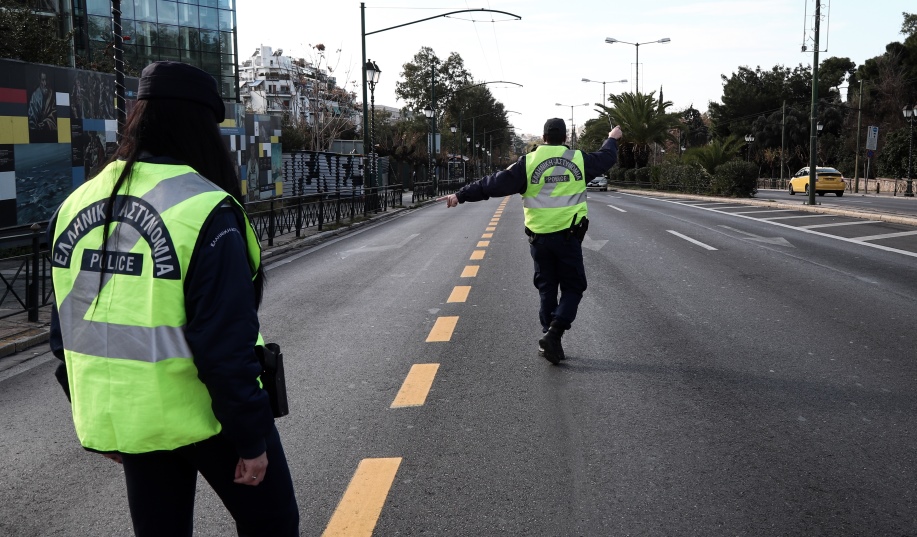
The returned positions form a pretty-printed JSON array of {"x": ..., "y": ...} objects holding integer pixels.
[{"x": 733, "y": 371}]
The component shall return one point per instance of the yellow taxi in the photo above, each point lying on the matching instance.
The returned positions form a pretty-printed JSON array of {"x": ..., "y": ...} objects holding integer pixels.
[{"x": 826, "y": 180}]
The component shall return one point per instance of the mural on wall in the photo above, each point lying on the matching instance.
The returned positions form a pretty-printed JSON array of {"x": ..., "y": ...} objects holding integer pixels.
[{"x": 58, "y": 127}]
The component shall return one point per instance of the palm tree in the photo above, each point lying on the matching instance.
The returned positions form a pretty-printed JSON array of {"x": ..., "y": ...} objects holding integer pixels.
[
  {"x": 644, "y": 121},
  {"x": 713, "y": 154}
]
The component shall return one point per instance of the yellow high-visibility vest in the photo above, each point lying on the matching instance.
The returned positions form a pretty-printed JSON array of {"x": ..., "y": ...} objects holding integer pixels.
[
  {"x": 556, "y": 191},
  {"x": 133, "y": 383}
]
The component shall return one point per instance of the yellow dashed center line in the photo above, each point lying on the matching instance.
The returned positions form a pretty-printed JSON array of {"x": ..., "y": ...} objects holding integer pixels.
[
  {"x": 442, "y": 329},
  {"x": 416, "y": 386},
  {"x": 483, "y": 244},
  {"x": 477, "y": 255},
  {"x": 459, "y": 293},
  {"x": 357, "y": 513},
  {"x": 490, "y": 229},
  {"x": 471, "y": 271},
  {"x": 487, "y": 236}
]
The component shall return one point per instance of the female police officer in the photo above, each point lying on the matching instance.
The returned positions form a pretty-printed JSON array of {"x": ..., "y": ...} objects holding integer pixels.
[{"x": 157, "y": 279}]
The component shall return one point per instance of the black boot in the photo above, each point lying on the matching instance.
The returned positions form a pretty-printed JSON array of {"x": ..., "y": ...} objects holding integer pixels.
[{"x": 550, "y": 345}]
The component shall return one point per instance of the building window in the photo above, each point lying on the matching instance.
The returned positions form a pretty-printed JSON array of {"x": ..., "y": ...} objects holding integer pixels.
[
  {"x": 167, "y": 12},
  {"x": 187, "y": 15}
]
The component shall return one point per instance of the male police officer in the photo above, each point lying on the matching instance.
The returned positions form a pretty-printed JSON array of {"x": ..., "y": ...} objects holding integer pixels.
[{"x": 552, "y": 182}]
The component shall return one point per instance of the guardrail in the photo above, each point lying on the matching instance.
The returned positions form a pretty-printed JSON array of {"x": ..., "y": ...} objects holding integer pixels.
[{"x": 25, "y": 271}]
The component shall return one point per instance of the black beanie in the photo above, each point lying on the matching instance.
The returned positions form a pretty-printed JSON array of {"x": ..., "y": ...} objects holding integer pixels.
[{"x": 176, "y": 80}]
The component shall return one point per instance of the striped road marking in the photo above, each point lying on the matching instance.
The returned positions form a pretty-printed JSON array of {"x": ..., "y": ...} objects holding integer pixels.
[
  {"x": 459, "y": 293},
  {"x": 490, "y": 229},
  {"x": 617, "y": 208},
  {"x": 483, "y": 244},
  {"x": 416, "y": 386},
  {"x": 487, "y": 236},
  {"x": 477, "y": 255},
  {"x": 442, "y": 329},
  {"x": 470, "y": 271},
  {"x": 357, "y": 513}
]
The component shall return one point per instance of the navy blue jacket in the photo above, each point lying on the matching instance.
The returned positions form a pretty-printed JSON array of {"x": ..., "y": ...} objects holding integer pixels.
[
  {"x": 222, "y": 313},
  {"x": 513, "y": 180}
]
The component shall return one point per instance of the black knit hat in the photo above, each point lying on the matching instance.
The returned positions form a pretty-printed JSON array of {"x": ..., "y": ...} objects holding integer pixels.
[
  {"x": 176, "y": 80},
  {"x": 555, "y": 125}
]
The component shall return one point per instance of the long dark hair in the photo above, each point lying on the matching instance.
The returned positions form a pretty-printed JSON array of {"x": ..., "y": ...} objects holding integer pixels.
[{"x": 181, "y": 130}]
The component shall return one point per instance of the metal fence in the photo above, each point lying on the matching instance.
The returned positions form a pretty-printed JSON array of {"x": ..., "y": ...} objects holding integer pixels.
[
  {"x": 25, "y": 270},
  {"x": 281, "y": 216}
]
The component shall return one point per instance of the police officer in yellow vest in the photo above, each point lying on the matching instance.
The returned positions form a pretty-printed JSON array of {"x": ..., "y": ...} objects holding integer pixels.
[
  {"x": 157, "y": 279},
  {"x": 552, "y": 182}
]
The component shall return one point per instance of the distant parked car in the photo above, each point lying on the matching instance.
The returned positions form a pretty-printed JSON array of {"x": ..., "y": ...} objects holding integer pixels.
[
  {"x": 598, "y": 182},
  {"x": 826, "y": 180}
]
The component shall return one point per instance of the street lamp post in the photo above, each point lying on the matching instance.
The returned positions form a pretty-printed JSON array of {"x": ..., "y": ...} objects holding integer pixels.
[
  {"x": 464, "y": 170},
  {"x": 452, "y": 128},
  {"x": 372, "y": 78},
  {"x": 603, "y": 82},
  {"x": 430, "y": 143},
  {"x": 572, "y": 122},
  {"x": 749, "y": 139},
  {"x": 603, "y": 91},
  {"x": 477, "y": 162},
  {"x": 910, "y": 115},
  {"x": 612, "y": 40}
]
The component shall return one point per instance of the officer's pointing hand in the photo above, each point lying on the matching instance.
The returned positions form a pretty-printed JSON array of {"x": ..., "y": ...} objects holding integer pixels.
[
  {"x": 616, "y": 133},
  {"x": 451, "y": 200}
]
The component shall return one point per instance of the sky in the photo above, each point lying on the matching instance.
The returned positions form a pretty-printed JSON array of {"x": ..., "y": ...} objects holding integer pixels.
[{"x": 556, "y": 44}]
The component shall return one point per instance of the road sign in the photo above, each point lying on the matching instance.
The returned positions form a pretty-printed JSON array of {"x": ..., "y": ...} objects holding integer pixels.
[
  {"x": 872, "y": 137},
  {"x": 870, "y": 153}
]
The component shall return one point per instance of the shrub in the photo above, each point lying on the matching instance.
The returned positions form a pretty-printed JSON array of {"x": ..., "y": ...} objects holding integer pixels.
[
  {"x": 642, "y": 175},
  {"x": 735, "y": 179},
  {"x": 688, "y": 178},
  {"x": 617, "y": 174},
  {"x": 630, "y": 175}
]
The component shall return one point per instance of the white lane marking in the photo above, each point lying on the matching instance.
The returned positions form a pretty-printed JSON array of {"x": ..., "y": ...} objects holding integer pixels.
[
  {"x": 777, "y": 241},
  {"x": 813, "y": 226},
  {"x": 593, "y": 245},
  {"x": 764, "y": 211},
  {"x": 885, "y": 236},
  {"x": 797, "y": 216},
  {"x": 617, "y": 209},
  {"x": 689, "y": 239},
  {"x": 797, "y": 228}
]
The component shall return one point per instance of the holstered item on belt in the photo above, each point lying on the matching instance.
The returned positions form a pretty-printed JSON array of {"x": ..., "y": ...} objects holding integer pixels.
[
  {"x": 272, "y": 377},
  {"x": 579, "y": 230}
]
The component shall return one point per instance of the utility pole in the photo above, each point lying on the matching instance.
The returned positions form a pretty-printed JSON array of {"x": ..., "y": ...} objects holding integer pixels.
[
  {"x": 856, "y": 160},
  {"x": 813, "y": 129},
  {"x": 782, "y": 140}
]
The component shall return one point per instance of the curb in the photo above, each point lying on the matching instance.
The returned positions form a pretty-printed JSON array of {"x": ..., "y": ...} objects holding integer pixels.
[{"x": 24, "y": 341}]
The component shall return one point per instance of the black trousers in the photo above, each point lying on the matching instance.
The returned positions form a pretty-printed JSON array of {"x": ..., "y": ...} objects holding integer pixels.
[
  {"x": 161, "y": 487},
  {"x": 558, "y": 261}
]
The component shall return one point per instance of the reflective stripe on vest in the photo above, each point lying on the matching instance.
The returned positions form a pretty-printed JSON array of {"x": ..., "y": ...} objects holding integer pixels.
[
  {"x": 133, "y": 382},
  {"x": 556, "y": 192}
]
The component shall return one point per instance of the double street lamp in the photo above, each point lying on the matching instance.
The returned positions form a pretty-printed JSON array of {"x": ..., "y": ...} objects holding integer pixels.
[
  {"x": 910, "y": 115},
  {"x": 572, "y": 122},
  {"x": 749, "y": 139},
  {"x": 372, "y": 78},
  {"x": 452, "y": 128},
  {"x": 603, "y": 82},
  {"x": 612, "y": 40}
]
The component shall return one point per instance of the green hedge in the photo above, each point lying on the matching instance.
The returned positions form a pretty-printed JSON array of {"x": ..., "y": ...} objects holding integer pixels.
[
  {"x": 685, "y": 177},
  {"x": 735, "y": 179},
  {"x": 630, "y": 175}
]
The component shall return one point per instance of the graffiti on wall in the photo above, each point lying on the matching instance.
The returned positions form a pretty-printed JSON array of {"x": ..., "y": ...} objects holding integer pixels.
[{"x": 58, "y": 127}]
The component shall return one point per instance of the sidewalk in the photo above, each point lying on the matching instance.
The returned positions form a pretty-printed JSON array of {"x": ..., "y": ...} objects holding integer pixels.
[{"x": 17, "y": 334}]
